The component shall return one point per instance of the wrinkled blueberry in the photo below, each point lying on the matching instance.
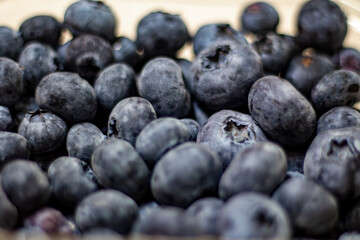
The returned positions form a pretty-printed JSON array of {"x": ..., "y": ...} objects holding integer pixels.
[
  {"x": 87, "y": 55},
  {"x": 208, "y": 34},
  {"x": 43, "y": 130},
  {"x": 161, "y": 34},
  {"x": 8, "y": 212},
  {"x": 253, "y": 216},
  {"x": 42, "y": 28},
  {"x": 332, "y": 161},
  {"x": 125, "y": 51},
  {"x": 259, "y": 17},
  {"x": 158, "y": 137},
  {"x": 338, "y": 88},
  {"x": 12, "y": 84},
  {"x": 129, "y": 117},
  {"x": 312, "y": 209},
  {"x": 106, "y": 209},
  {"x": 11, "y": 43},
  {"x": 68, "y": 182},
  {"x": 348, "y": 59},
  {"x": 322, "y": 25},
  {"x": 117, "y": 165},
  {"x": 113, "y": 84},
  {"x": 6, "y": 120},
  {"x": 193, "y": 128},
  {"x": 25, "y": 184},
  {"x": 90, "y": 17},
  {"x": 228, "y": 132},
  {"x": 282, "y": 111},
  {"x": 38, "y": 60},
  {"x": 12, "y": 146},
  {"x": 67, "y": 95},
  {"x": 82, "y": 139},
  {"x": 223, "y": 74},
  {"x": 205, "y": 211},
  {"x": 162, "y": 84},
  {"x": 260, "y": 167},
  {"x": 167, "y": 221}
]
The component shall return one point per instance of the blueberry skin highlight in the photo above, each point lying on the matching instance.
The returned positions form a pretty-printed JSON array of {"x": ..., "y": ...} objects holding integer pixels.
[
  {"x": 12, "y": 84},
  {"x": 193, "y": 128},
  {"x": 165, "y": 42},
  {"x": 311, "y": 209},
  {"x": 8, "y": 212},
  {"x": 208, "y": 34},
  {"x": 11, "y": 43},
  {"x": 185, "y": 174},
  {"x": 69, "y": 183},
  {"x": 117, "y": 165},
  {"x": 67, "y": 95},
  {"x": 260, "y": 167},
  {"x": 25, "y": 184},
  {"x": 282, "y": 111},
  {"x": 43, "y": 130},
  {"x": 253, "y": 216},
  {"x": 331, "y": 161},
  {"x": 90, "y": 17},
  {"x": 205, "y": 211},
  {"x": 38, "y": 60},
  {"x": 162, "y": 84},
  {"x": 113, "y": 84},
  {"x": 129, "y": 117},
  {"x": 158, "y": 137},
  {"x": 42, "y": 28},
  {"x": 82, "y": 139},
  {"x": 228, "y": 132},
  {"x": 106, "y": 209},
  {"x": 338, "y": 88},
  {"x": 13, "y": 146},
  {"x": 338, "y": 117},
  {"x": 223, "y": 74},
  {"x": 6, "y": 120}
]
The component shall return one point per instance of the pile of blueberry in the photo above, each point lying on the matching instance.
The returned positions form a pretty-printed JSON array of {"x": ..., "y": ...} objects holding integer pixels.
[{"x": 105, "y": 136}]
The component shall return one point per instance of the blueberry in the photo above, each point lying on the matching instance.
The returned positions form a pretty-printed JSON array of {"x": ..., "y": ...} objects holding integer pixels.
[
  {"x": 24, "y": 105},
  {"x": 146, "y": 208},
  {"x": 129, "y": 117},
  {"x": 338, "y": 88},
  {"x": 87, "y": 55},
  {"x": 281, "y": 111},
  {"x": 67, "y": 95},
  {"x": 312, "y": 209},
  {"x": 259, "y": 17},
  {"x": 90, "y": 17},
  {"x": 253, "y": 216},
  {"x": 68, "y": 182},
  {"x": 113, "y": 84},
  {"x": 42, "y": 28},
  {"x": 332, "y": 161},
  {"x": 11, "y": 43},
  {"x": 161, "y": 34},
  {"x": 294, "y": 47},
  {"x": 25, "y": 184},
  {"x": 305, "y": 71},
  {"x": 6, "y": 120},
  {"x": 228, "y": 132},
  {"x": 167, "y": 221},
  {"x": 106, "y": 209},
  {"x": 208, "y": 34},
  {"x": 125, "y": 51},
  {"x": 49, "y": 220},
  {"x": 338, "y": 117},
  {"x": 117, "y": 165},
  {"x": 322, "y": 25},
  {"x": 13, "y": 146},
  {"x": 180, "y": 183},
  {"x": 12, "y": 84},
  {"x": 8, "y": 212},
  {"x": 162, "y": 84},
  {"x": 82, "y": 139},
  {"x": 205, "y": 211},
  {"x": 43, "y": 130},
  {"x": 158, "y": 137},
  {"x": 61, "y": 55},
  {"x": 260, "y": 167},
  {"x": 192, "y": 126},
  {"x": 223, "y": 74},
  {"x": 348, "y": 59},
  {"x": 38, "y": 60}
]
